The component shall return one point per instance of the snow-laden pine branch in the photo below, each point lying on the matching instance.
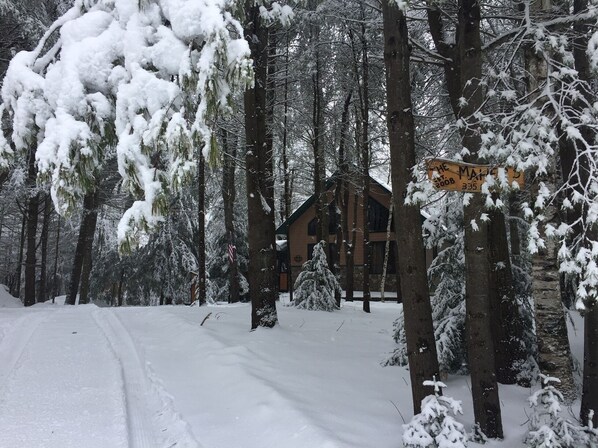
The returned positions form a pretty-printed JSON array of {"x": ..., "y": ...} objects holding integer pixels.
[{"x": 138, "y": 80}]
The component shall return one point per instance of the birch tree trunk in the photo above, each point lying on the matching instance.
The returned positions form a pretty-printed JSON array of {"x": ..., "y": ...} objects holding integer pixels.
[
  {"x": 554, "y": 352},
  {"x": 386, "y": 250}
]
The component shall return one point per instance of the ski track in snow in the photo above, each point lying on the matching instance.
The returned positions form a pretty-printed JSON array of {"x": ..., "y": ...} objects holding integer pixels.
[
  {"x": 275, "y": 407},
  {"x": 60, "y": 385},
  {"x": 148, "y": 405},
  {"x": 14, "y": 342}
]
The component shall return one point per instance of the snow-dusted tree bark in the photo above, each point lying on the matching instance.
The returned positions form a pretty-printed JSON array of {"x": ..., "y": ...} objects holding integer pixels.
[
  {"x": 507, "y": 325},
  {"x": 42, "y": 291},
  {"x": 554, "y": 353},
  {"x": 419, "y": 330},
  {"x": 201, "y": 228},
  {"x": 317, "y": 139},
  {"x": 228, "y": 199},
  {"x": 362, "y": 67},
  {"x": 89, "y": 219},
  {"x": 480, "y": 344},
  {"x": 580, "y": 173},
  {"x": 341, "y": 193},
  {"x": 263, "y": 275},
  {"x": 32, "y": 218}
]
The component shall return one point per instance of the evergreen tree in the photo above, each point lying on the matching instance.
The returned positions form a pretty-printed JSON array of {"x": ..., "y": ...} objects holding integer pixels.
[
  {"x": 434, "y": 427},
  {"x": 316, "y": 285},
  {"x": 548, "y": 428}
]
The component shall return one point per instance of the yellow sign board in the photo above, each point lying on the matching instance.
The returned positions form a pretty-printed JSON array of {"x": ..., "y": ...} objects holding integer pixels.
[{"x": 467, "y": 177}]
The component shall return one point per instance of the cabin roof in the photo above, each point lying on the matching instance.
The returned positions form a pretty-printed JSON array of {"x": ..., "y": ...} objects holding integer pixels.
[{"x": 283, "y": 229}]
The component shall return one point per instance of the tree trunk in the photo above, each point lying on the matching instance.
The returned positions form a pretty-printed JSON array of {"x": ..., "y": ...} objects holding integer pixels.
[
  {"x": 32, "y": 218},
  {"x": 386, "y": 250},
  {"x": 30, "y": 257},
  {"x": 86, "y": 234},
  {"x": 17, "y": 286},
  {"x": 120, "y": 291},
  {"x": 56, "y": 252},
  {"x": 342, "y": 190},
  {"x": 263, "y": 276},
  {"x": 419, "y": 329},
  {"x": 350, "y": 248},
  {"x": 554, "y": 353},
  {"x": 287, "y": 193},
  {"x": 201, "y": 227},
  {"x": 506, "y": 324},
  {"x": 88, "y": 253},
  {"x": 42, "y": 292},
  {"x": 365, "y": 160},
  {"x": 322, "y": 217},
  {"x": 484, "y": 387},
  {"x": 589, "y": 398},
  {"x": 228, "y": 198}
]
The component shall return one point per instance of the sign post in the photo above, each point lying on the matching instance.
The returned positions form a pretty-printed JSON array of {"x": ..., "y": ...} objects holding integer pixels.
[{"x": 467, "y": 177}]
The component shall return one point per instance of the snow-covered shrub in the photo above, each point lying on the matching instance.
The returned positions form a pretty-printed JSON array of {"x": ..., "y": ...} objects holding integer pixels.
[
  {"x": 316, "y": 285},
  {"x": 434, "y": 427},
  {"x": 548, "y": 429}
]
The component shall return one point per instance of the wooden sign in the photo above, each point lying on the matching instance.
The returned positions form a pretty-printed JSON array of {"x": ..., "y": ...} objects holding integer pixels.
[{"x": 467, "y": 177}]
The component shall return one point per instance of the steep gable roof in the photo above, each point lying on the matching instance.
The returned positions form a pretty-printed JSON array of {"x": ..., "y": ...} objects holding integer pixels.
[{"x": 283, "y": 229}]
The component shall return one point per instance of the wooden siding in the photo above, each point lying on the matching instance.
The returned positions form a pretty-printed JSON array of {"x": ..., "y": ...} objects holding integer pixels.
[{"x": 299, "y": 239}]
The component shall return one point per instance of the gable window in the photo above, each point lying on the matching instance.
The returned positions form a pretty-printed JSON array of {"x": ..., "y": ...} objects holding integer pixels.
[
  {"x": 332, "y": 221},
  {"x": 378, "y": 249},
  {"x": 378, "y": 216}
]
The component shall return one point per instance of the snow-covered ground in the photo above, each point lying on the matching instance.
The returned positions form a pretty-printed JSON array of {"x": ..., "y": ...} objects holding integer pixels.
[{"x": 92, "y": 377}]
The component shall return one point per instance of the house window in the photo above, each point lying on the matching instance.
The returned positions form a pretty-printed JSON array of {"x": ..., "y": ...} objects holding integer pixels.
[
  {"x": 332, "y": 221},
  {"x": 377, "y": 250},
  {"x": 378, "y": 216}
]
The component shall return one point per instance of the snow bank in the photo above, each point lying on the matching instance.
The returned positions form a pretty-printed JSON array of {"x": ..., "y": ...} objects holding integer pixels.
[{"x": 8, "y": 301}]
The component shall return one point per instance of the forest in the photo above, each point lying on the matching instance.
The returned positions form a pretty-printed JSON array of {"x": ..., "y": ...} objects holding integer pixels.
[{"x": 153, "y": 151}]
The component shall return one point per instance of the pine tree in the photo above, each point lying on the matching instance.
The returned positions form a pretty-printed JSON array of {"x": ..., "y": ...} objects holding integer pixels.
[
  {"x": 152, "y": 101},
  {"x": 548, "y": 428},
  {"x": 434, "y": 427},
  {"x": 316, "y": 285}
]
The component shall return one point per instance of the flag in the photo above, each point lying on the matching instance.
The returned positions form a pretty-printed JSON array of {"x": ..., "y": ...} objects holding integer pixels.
[{"x": 232, "y": 250}]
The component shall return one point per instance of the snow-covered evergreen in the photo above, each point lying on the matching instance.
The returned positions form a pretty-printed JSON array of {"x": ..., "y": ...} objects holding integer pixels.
[
  {"x": 316, "y": 285},
  {"x": 548, "y": 428},
  {"x": 434, "y": 427}
]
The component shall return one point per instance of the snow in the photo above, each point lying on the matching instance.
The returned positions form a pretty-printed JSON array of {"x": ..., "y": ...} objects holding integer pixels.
[
  {"x": 142, "y": 80},
  {"x": 8, "y": 301},
  {"x": 154, "y": 377}
]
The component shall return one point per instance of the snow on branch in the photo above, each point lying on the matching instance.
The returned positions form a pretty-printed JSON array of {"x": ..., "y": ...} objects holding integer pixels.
[{"x": 142, "y": 81}]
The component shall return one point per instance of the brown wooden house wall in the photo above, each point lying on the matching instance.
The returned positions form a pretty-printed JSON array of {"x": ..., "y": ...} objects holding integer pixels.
[
  {"x": 298, "y": 238},
  {"x": 298, "y": 241}
]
